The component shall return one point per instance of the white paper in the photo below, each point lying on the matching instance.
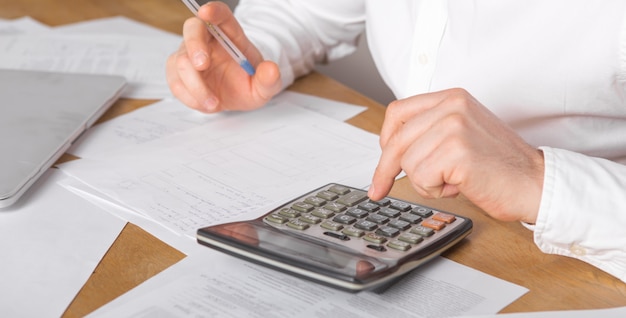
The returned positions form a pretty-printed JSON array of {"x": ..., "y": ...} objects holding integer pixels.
[
  {"x": 235, "y": 168},
  {"x": 333, "y": 109},
  {"x": 21, "y": 25},
  {"x": 51, "y": 241},
  {"x": 217, "y": 285},
  {"x": 618, "y": 312},
  {"x": 140, "y": 59},
  {"x": 170, "y": 116},
  {"x": 115, "y": 25}
]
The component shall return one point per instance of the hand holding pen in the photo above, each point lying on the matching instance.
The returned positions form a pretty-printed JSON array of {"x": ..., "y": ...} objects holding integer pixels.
[{"x": 216, "y": 67}]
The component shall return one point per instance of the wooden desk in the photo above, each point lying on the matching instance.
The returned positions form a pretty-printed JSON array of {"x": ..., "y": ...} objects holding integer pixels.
[{"x": 504, "y": 250}]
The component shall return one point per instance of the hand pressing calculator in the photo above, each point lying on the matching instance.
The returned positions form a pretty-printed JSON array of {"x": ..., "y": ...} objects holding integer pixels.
[{"x": 337, "y": 236}]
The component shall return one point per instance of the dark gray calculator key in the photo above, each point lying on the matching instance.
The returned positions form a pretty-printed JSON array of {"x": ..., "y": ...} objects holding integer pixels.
[
  {"x": 422, "y": 230},
  {"x": 401, "y": 206},
  {"x": 411, "y": 218},
  {"x": 399, "y": 224},
  {"x": 327, "y": 195},
  {"x": 334, "y": 206},
  {"x": 339, "y": 189},
  {"x": 387, "y": 231},
  {"x": 365, "y": 225},
  {"x": 377, "y": 218},
  {"x": 381, "y": 202},
  {"x": 389, "y": 212},
  {"x": 422, "y": 211},
  {"x": 357, "y": 213},
  {"x": 323, "y": 213},
  {"x": 344, "y": 219},
  {"x": 316, "y": 201},
  {"x": 369, "y": 206},
  {"x": 303, "y": 207},
  {"x": 353, "y": 198}
]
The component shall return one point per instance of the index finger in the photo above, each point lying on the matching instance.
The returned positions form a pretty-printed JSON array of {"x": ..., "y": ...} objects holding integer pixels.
[
  {"x": 400, "y": 111},
  {"x": 196, "y": 40}
]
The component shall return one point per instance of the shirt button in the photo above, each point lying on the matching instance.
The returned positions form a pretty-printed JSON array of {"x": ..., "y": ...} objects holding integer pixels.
[
  {"x": 423, "y": 58},
  {"x": 577, "y": 250}
]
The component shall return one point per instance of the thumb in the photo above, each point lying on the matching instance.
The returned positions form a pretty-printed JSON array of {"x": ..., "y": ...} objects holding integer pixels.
[{"x": 266, "y": 82}]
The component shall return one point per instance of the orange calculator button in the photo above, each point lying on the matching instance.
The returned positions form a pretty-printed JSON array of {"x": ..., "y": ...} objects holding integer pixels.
[
  {"x": 433, "y": 224},
  {"x": 444, "y": 217}
]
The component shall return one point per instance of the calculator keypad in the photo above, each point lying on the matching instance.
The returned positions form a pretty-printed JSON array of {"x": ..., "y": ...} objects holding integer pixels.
[{"x": 347, "y": 216}]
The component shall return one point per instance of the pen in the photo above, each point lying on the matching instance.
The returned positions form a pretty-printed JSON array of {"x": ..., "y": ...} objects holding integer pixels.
[{"x": 223, "y": 40}]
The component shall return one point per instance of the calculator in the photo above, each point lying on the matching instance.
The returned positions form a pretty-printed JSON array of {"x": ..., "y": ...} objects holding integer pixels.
[{"x": 335, "y": 235}]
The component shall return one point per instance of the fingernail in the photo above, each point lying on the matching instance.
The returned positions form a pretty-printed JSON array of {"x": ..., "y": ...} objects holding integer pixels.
[
  {"x": 199, "y": 58},
  {"x": 210, "y": 104},
  {"x": 371, "y": 190}
]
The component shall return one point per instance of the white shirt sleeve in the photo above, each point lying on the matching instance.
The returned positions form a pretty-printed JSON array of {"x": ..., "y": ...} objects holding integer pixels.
[
  {"x": 583, "y": 210},
  {"x": 298, "y": 34}
]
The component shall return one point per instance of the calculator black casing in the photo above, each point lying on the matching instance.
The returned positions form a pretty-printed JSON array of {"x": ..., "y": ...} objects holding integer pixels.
[{"x": 329, "y": 262}]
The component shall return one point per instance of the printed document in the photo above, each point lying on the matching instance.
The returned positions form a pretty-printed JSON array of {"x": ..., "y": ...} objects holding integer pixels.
[
  {"x": 217, "y": 285},
  {"x": 237, "y": 167}
]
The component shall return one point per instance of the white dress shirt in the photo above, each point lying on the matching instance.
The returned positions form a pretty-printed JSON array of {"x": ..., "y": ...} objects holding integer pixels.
[{"x": 555, "y": 71}]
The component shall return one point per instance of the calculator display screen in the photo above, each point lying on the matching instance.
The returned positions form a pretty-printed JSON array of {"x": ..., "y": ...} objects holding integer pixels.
[{"x": 293, "y": 251}]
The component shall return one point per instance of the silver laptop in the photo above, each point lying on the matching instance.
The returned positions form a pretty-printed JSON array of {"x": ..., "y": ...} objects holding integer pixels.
[{"x": 41, "y": 115}]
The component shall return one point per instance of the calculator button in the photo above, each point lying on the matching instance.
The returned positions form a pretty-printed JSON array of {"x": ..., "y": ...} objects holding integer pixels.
[
  {"x": 357, "y": 213},
  {"x": 277, "y": 218},
  {"x": 297, "y": 224},
  {"x": 369, "y": 206},
  {"x": 339, "y": 189},
  {"x": 290, "y": 213},
  {"x": 444, "y": 217},
  {"x": 316, "y": 201},
  {"x": 411, "y": 218},
  {"x": 389, "y": 212},
  {"x": 381, "y": 202},
  {"x": 387, "y": 231},
  {"x": 344, "y": 219},
  {"x": 352, "y": 198},
  {"x": 374, "y": 238},
  {"x": 323, "y": 213},
  {"x": 399, "y": 245},
  {"x": 410, "y": 238},
  {"x": 366, "y": 225},
  {"x": 377, "y": 218},
  {"x": 327, "y": 195},
  {"x": 433, "y": 224},
  {"x": 423, "y": 212},
  {"x": 334, "y": 206},
  {"x": 423, "y": 231},
  {"x": 401, "y": 206},
  {"x": 399, "y": 224},
  {"x": 353, "y": 232},
  {"x": 333, "y": 226},
  {"x": 303, "y": 207},
  {"x": 310, "y": 219}
]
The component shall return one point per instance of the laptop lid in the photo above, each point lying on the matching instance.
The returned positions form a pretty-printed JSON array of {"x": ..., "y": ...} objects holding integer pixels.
[{"x": 41, "y": 115}]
